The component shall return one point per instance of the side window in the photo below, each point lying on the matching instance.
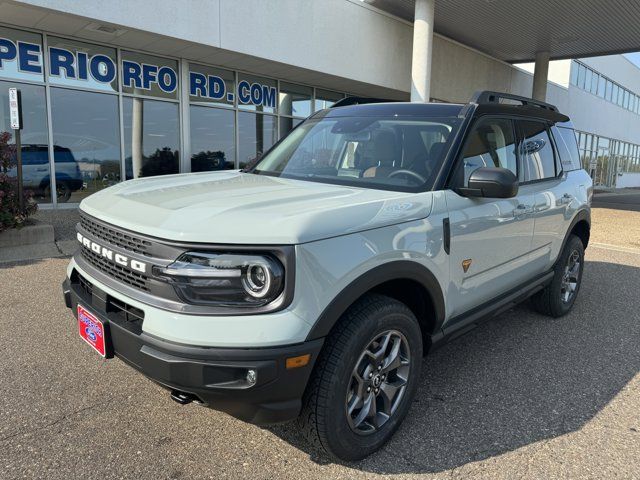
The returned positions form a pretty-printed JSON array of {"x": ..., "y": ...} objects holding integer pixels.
[
  {"x": 567, "y": 148},
  {"x": 491, "y": 144},
  {"x": 538, "y": 154}
]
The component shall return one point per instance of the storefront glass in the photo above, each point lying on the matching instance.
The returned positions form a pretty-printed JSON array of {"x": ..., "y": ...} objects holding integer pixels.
[
  {"x": 212, "y": 138},
  {"x": 257, "y": 133},
  {"x": 256, "y": 93},
  {"x": 86, "y": 138},
  {"x": 151, "y": 137},
  {"x": 149, "y": 75},
  {"x": 295, "y": 100},
  {"x": 82, "y": 65},
  {"x": 36, "y": 170},
  {"x": 211, "y": 85}
]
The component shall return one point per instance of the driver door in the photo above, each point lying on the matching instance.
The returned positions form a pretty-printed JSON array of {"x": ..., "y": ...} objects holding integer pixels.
[{"x": 490, "y": 237}]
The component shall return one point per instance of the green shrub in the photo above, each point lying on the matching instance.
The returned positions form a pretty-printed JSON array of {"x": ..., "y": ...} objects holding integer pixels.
[{"x": 10, "y": 214}]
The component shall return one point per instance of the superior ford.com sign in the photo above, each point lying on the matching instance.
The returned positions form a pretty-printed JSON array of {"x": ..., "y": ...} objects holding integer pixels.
[{"x": 94, "y": 71}]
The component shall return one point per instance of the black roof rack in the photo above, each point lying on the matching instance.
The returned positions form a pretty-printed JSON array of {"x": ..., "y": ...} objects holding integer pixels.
[
  {"x": 346, "y": 101},
  {"x": 487, "y": 96}
]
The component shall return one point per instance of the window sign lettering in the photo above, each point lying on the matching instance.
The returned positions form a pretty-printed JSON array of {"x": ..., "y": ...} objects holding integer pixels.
[{"x": 20, "y": 55}]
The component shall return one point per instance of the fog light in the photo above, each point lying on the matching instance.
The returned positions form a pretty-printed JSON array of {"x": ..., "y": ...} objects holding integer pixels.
[{"x": 252, "y": 377}]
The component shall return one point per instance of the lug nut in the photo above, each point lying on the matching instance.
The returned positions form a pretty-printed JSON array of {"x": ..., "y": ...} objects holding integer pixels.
[
  {"x": 370, "y": 374},
  {"x": 368, "y": 389},
  {"x": 383, "y": 376},
  {"x": 377, "y": 390},
  {"x": 379, "y": 367}
]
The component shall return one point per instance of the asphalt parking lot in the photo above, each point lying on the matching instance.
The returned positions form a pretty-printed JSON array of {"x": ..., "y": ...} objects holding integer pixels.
[{"x": 523, "y": 396}]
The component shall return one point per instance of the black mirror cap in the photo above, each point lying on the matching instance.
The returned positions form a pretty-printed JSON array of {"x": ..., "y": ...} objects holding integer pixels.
[{"x": 491, "y": 182}]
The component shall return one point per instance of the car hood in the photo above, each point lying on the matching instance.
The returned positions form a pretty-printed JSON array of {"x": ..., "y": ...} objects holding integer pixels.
[{"x": 240, "y": 208}]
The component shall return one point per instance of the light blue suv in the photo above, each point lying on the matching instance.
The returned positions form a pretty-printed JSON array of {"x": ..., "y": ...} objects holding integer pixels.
[{"x": 310, "y": 285}]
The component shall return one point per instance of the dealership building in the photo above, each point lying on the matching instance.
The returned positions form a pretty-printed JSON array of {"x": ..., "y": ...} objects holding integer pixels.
[{"x": 125, "y": 89}]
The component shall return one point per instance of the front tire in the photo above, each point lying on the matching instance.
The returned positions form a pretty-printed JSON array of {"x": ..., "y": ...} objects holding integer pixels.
[
  {"x": 364, "y": 380},
  {"x": 557, "y": 298}
]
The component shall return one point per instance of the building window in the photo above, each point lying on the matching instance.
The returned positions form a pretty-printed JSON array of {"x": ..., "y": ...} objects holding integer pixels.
[
  {"x": 151, "y": 137},
  {"x": 256, "y": 93},
  {"x": 582, "y": 72},
  {"x": 211, "y": 85},
  {"x": 325, "y": 98},
  {"x": 213, "y": 139},
  {"x": 295, "y": 100},
  {"x": 36, "y": 168},
  {"x": 149, "y": 75},
  {"x": 256, "y": 134},
  {"x": 83, "y": 65},
  {"x": 601, "y": 86},
  {"x": 86, "y": 138},
  {"x": 21, "y": 62}
]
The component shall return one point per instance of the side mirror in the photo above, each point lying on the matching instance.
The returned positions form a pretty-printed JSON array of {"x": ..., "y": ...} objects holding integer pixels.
[{"x": 491, "y": 182}]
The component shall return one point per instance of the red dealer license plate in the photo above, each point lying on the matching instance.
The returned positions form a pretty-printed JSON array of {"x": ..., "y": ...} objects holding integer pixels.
[{"x": 92, "y": 330}]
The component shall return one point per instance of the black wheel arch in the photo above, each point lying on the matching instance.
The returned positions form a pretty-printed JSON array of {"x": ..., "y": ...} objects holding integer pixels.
[
  {"x": 394, "y": 271},
  {"x": 580, "y": 226}
]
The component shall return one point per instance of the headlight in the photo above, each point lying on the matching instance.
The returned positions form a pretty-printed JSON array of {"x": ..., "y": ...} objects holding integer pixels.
[{"x": 226, "y": 279}]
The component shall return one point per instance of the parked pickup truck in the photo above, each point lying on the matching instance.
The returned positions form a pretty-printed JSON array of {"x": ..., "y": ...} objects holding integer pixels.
[{"x": 309, "y": 286}]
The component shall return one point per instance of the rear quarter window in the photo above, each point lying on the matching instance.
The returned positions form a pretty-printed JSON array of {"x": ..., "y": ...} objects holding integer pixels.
[{"x": 567, "y": 148}]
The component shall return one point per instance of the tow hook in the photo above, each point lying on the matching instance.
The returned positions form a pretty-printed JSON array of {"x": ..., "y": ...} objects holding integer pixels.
[{"x": 183, "y": 398}]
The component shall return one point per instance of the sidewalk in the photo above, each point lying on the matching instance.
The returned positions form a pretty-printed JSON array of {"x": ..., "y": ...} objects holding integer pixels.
[{"x": 64, "y": 242}]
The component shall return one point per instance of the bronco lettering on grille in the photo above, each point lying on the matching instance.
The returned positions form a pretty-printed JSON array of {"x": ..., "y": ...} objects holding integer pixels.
[{"x": 111, "y": 255}]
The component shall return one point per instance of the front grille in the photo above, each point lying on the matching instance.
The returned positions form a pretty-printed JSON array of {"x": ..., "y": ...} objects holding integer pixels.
[
  {"x": 115, "y": 237},
  {"x": 129, "y": 313},
  {"x": 85, "y": 285},
  {"x": 117, "y": 311},
  {"x": 115, "y": 271}
]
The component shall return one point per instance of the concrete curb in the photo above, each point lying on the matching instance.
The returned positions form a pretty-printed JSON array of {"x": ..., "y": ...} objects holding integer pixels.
[{"x": 34, "y": 234}]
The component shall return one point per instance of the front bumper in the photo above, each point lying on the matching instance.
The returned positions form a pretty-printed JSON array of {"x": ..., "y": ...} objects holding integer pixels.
[{"x": 215, "y": 377}]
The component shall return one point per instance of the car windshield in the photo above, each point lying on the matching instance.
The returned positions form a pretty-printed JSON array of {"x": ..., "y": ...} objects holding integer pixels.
[{"x": 395, "y": 153}]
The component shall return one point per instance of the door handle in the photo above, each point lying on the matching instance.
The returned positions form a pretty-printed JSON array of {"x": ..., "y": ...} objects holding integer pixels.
[
  {"x": 566, "y": 199},
  {"x": 521, "y": 210}
]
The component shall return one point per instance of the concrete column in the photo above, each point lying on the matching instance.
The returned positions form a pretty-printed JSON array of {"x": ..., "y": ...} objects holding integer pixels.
[
  {"x": 422, "y": 47},
  {"x": 137, "y": 122},
  {"x": 540, "y": 75}
]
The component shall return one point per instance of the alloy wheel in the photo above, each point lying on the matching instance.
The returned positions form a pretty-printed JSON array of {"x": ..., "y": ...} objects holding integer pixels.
[
  {"x": 570, "y": 277},
  {"x": 378, "y": 382}
]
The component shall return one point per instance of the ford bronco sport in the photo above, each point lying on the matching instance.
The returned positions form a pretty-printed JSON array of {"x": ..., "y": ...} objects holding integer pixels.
[{"x": 310, "y": 285}]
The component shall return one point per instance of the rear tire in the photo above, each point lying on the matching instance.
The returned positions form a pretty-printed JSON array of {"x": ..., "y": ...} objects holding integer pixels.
[
  {"x": 339, "y": 415},
  {"x": 557, "y": 298}
]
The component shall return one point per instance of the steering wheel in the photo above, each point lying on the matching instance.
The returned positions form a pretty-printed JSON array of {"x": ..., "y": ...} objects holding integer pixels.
[{"x": 410, "y": 173}]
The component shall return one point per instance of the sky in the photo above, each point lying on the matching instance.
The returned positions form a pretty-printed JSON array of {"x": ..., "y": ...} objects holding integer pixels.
[{"x": 634, "y": 57}]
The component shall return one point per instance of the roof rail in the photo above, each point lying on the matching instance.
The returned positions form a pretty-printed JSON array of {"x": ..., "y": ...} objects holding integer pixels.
[
  {"x": 346, "y": 101},
  {"x": 487, "y": 96}
]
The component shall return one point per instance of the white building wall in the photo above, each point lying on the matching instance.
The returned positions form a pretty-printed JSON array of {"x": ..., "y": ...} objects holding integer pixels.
[{"x": 342, "y": 38}]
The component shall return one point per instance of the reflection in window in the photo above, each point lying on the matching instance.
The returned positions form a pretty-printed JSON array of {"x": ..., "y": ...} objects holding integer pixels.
[
  {"x": 288, "y": 124},
  {"x": 256, "y": 134},
  {"x": 295, "y": 100},
  {"x": 34, "y": 137},
  {"x": 212, "y": 138},
  {"x": 151, "y": 137},
  {"x": 86, "y": 139},
  {"x": 491, "y": 144},
  {"x": 538, "y": 152}
]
